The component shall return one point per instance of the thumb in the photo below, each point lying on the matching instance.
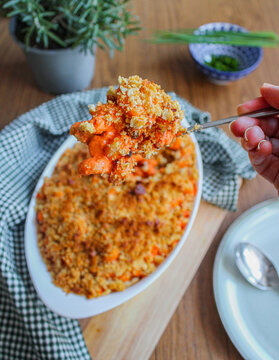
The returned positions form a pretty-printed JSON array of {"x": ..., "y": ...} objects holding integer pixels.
[{"x": 271, "y": 94}]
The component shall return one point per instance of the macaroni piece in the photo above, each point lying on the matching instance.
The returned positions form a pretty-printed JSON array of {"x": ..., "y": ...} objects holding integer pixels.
[{"x": 138, "y": 119}]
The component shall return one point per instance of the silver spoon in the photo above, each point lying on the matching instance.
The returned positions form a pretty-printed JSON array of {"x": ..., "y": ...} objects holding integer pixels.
[
  {"x": 270, "y": 111},
  {"x": 256, "y": 267}
]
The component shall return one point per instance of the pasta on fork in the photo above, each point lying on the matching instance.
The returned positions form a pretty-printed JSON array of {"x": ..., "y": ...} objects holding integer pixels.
[{"x": 137, "y": 120}]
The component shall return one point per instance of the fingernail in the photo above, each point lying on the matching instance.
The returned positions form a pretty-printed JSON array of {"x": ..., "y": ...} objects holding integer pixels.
[
  {"x": 259, "y": 144},
  {"x": 245, "y": 134},
  {"x": 230, "y": 125},
  {"x": 269, "y": 85},
  {"x": 238, "y": 107},
  {"x": 241, "y": 109}
]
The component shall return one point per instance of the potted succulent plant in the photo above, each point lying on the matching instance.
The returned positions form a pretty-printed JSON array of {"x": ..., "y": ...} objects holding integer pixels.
[{"x": 60, "y": 37}]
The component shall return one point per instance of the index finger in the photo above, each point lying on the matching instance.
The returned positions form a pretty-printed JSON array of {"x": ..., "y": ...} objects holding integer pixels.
[
  {"x": 270, "y": 126},
  {"x": 252, "y": 105}
]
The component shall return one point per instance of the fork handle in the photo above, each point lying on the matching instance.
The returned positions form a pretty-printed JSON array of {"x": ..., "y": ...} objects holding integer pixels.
[{"x": 269, "y": 111}]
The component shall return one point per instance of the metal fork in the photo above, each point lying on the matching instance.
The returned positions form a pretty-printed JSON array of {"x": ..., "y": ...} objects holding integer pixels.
[{"x": 269, "y": 111}]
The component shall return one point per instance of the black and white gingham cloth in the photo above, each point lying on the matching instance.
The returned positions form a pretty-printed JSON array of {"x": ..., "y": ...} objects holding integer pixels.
[
  {"x": 224, "y": 160},
  {"x": 28, "y": 330}
]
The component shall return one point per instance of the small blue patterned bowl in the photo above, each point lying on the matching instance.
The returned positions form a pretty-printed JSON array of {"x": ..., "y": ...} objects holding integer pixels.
[{"x": 249, "y": 58}]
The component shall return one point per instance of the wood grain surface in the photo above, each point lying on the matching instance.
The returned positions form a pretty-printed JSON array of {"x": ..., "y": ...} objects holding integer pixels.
[{"x": 195, "y": 330}]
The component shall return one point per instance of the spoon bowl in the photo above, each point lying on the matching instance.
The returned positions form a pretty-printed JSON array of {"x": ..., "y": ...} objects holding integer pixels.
[{"x": 256, "y": 267}]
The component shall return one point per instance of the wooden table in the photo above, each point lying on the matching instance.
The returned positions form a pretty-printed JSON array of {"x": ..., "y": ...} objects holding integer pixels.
[{"x": 195, "y": 331}]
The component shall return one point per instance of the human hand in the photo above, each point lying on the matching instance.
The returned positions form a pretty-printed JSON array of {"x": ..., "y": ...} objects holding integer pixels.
[{"x": 260, "y": 137}]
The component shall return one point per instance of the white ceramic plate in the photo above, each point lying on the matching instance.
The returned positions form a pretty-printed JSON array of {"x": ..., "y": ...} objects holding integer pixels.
[
  {"x": 249, "y": 315},
  {"x": 75, "y": 306}
]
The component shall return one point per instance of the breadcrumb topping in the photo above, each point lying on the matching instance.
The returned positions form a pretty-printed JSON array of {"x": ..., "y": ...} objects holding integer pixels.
[
  {"x": 97, "y": 238},
  {"x": 139, "y": 118}
]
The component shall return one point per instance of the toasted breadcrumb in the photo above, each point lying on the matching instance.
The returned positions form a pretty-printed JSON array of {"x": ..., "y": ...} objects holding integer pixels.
[
  {"x": 140, "y": 118},
  {"x": 86, "y": 127},
  {"x": 96, "y": 238}
]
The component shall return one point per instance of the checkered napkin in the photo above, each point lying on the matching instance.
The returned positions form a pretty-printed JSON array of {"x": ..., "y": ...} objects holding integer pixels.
[
  {"x": 29, "y": 330},
  {"x": 224, "y": 161}
]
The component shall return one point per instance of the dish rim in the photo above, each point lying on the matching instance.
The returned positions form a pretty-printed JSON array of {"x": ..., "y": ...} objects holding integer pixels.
[
  {"x": 245, "y": 351},
  {"x": 75, "y": 306}
]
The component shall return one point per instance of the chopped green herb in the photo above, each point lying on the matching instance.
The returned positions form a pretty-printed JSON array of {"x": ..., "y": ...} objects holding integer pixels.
[{"x": 223, "y": 62}]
